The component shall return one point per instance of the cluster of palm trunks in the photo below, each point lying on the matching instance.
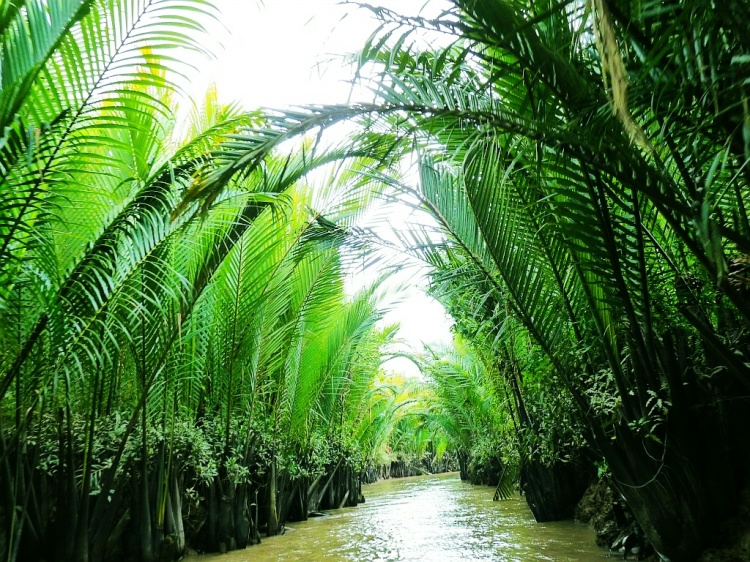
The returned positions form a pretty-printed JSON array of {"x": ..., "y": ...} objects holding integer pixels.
[{"x": 215, "y": 516}]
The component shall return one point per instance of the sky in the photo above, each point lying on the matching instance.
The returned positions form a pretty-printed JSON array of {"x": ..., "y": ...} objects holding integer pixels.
[
  {"x": 281, "y": 53},
  {"x": 276, "y": 53}
]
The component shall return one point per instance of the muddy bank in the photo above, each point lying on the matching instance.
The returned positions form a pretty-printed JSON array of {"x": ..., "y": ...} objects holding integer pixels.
[{"x": 617, "y": 530}]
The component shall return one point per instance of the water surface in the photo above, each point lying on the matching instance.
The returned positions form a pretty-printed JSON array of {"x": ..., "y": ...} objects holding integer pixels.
[{"x": 425, "y": 519}]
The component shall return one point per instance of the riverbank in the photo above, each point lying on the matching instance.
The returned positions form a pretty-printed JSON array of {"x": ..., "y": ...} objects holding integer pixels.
[{"x": 404, "y": 468}]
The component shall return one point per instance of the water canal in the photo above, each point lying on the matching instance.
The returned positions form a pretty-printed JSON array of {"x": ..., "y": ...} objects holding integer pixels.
[{"x": 428, "y": 518}]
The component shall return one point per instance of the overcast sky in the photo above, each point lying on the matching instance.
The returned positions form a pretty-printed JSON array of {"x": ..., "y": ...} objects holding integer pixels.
[{"x": 279, "y": 53}]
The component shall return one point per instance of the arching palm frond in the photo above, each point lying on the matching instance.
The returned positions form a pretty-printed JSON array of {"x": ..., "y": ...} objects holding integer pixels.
[{"x": 61, "y": 62}]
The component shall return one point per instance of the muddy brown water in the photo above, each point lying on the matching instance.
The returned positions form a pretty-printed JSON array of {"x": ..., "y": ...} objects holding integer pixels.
[{"x": 425, "y": 519}]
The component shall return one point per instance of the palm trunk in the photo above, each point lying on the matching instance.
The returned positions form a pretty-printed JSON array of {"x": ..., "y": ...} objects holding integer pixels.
[
  {"x": 145, "y": 530},
  {"x": 273, "y": 515}
]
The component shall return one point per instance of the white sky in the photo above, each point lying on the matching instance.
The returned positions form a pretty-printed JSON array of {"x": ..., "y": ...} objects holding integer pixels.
[
  {"x": 276, "y": 53},
  {"x": 280, "y": 53}
]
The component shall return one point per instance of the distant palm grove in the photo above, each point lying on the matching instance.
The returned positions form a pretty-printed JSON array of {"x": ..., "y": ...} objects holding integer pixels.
[{"x": 183, "y": 366}]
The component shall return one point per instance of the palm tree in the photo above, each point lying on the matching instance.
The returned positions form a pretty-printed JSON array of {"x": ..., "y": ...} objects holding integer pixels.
[
  {"x": 600, "y": 149},
  {"x": 470, "y": 413},
  {"x": 151, "y": 347},
  {"x": 84, "y": 178},
  {"x": 585, "y": 229}
]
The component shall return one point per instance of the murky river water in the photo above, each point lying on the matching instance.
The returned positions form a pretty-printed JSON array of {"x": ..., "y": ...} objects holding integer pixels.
[{"x": 426, "y": 519}]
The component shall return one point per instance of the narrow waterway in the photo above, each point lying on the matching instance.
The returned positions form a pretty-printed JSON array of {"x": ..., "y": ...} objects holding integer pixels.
[{"x": 427, "y": 518}]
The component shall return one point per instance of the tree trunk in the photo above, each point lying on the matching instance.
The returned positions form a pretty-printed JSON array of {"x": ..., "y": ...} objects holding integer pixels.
[{"x": 273, "y": 514}]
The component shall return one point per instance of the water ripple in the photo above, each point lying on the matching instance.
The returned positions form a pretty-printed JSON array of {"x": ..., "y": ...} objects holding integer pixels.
[{"x": 426, "y": 519}]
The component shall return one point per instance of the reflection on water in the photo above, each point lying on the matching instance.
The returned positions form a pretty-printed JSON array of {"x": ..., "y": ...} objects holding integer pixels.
[{"x": 427, "y": 518}]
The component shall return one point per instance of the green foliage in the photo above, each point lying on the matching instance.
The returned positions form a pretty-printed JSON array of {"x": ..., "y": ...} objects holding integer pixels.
[
  {"x": 571, "y": 154},
  {"x": 148, "y": 340},
  {"x": 178, "y": 305}
]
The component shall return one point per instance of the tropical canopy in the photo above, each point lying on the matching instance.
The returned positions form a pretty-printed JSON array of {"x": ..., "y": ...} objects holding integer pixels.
[{"x": 181, "y": 356}]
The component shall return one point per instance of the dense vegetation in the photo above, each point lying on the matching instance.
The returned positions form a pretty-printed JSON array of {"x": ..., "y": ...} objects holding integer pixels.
[
  {"x": 180, "y": 357},
  {"x": 168, "y": 374}
]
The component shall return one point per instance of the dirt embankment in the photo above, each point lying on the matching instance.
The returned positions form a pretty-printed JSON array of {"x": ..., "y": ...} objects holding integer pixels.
[{"x": 616, "y": 529}]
